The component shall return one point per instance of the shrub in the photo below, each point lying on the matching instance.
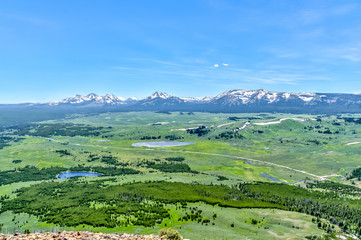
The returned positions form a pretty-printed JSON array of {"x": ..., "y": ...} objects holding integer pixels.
[
  {"x": 254, "y": 221},
  {"x": 170, "y": 234}
]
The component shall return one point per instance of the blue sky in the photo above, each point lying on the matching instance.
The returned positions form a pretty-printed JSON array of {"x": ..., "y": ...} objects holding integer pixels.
[{"x": 55, "y": 49}]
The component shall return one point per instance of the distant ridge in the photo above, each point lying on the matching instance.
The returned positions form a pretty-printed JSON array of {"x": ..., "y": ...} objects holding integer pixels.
[{"x": 229, "y": 101}]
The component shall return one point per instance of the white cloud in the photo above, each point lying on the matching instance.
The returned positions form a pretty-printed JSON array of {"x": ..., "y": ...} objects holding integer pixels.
[{"x": 218, "y": 65}]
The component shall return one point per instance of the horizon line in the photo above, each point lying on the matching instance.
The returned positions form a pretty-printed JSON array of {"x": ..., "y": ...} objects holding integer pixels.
[{"x": 93, "y": 93}]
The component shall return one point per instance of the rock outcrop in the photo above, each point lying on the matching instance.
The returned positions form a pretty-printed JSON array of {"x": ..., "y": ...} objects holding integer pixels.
[{"x": 78, "y": 235}]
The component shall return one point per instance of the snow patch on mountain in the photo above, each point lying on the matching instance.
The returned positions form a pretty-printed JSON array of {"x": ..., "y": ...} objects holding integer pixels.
[
  {"x": 196, "y": 99},
  {"x": 307, "y": 97}
]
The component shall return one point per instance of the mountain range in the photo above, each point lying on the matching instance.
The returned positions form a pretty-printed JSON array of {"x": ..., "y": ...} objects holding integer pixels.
[
  {"x": 229, "y": 101},
  {"x": 232, "y": 101}
]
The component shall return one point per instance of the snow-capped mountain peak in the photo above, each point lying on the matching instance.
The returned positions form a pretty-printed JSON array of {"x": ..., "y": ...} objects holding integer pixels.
[
  {"x": 91, "y": 96},
  {"x": 252, "y": 96},
  {"x": 109, "y": 98},
  {"x": 245, "y": 96},
  {"x": 159, "y": 95}
]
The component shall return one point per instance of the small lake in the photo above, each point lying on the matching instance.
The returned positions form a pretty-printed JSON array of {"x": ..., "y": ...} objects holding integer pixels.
[
  {"x": 78, "y": 174},
  {"x": 161, "y": 144}
]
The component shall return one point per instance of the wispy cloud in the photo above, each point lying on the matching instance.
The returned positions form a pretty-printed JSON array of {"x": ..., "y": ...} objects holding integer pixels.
[
  {"x": 228, "y": 74},
  {"x": 272, "y": 80},
  {"x": 353, "y": 54},
  {"x": 153, "y": 60},
  {"x": 232, "y": 69},
  {"x": 284, "y": 52},
  {"x": 31, "y": 20},
  {"x": 191, "y": 74},
  {"x": 312, "y": 33},
  {"x": 310, "y": 16},
  {"x": 165, "y": 62},
  {"x": 314, "y": 15},
  {"x": 124, "y": 68},
  {"x": 326, "y": 54},
  {"x": 342, "y": 9},
  {"x": 351, "y": 57},
  {"x": 344, "y": 52},
  {"x": 275, "y": 77}
]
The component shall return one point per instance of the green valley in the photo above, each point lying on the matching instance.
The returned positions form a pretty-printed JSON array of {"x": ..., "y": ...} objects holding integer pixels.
[{"x": 275, "y": 176}]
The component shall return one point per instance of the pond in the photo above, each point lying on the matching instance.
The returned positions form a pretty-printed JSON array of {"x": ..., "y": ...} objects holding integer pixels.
[
  {"x": 161, "y": 144},
  {"x": 274, "y": 179},
  {"x": 78, "y": 174}
]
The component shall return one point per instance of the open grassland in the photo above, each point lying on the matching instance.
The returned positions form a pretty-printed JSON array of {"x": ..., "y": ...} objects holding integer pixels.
[
  {"x": 271, "y": 223},
  {"x": 316, "y": 146},
  {"x": 249, "y": 224}
]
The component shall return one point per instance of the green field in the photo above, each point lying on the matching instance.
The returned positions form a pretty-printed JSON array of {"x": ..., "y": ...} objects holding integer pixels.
[{"x": 227, "y": 149}]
